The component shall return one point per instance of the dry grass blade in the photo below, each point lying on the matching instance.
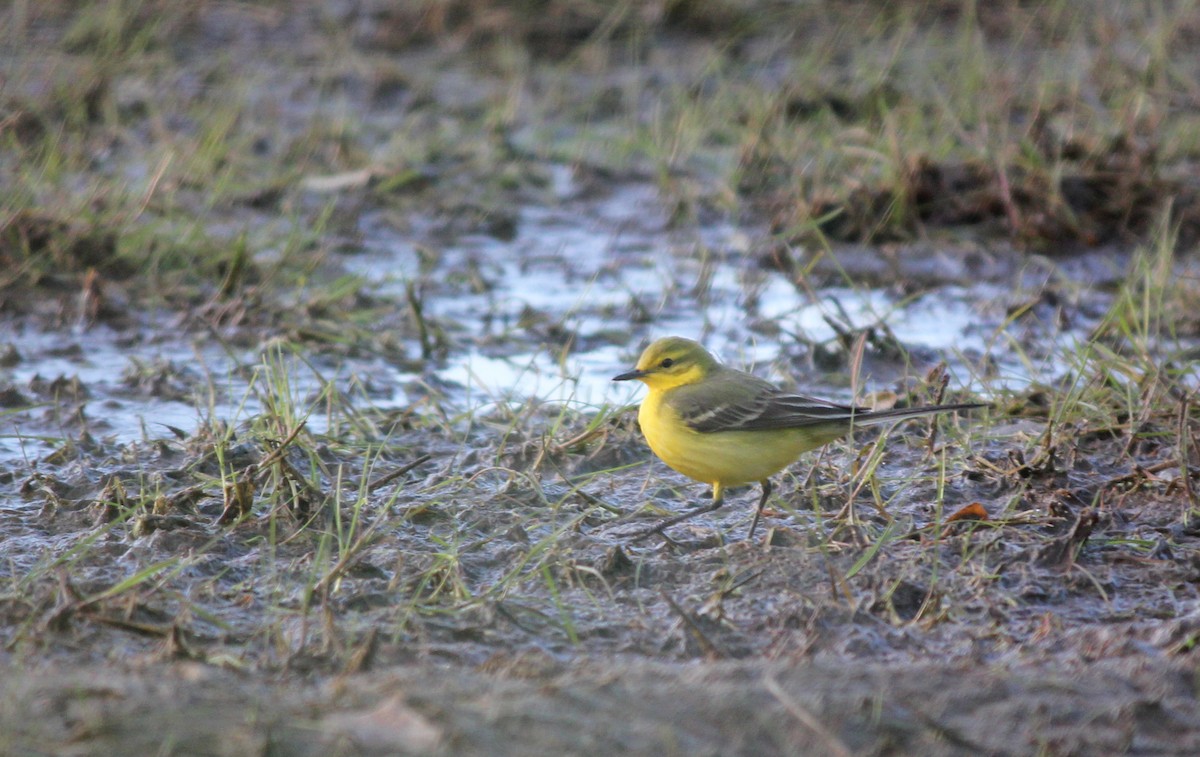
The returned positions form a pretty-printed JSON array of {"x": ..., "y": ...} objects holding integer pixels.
[
  {"x": 833, "y": 744},
  {"x": 391, "y": 476}
]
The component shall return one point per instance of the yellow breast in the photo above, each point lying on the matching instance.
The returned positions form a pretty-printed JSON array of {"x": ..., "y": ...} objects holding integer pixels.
[{"x": 728, "y": 458}]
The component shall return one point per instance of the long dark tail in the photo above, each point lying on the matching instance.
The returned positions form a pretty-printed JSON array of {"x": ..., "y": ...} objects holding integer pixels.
[{"x": 871, "y": 417}]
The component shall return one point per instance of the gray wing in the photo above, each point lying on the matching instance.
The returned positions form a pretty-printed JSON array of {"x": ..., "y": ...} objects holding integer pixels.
[{"x": 740, "y": 402}]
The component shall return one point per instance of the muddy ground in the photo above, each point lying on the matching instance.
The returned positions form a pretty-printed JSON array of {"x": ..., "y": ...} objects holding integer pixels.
[{"x": 307, "y": 315}]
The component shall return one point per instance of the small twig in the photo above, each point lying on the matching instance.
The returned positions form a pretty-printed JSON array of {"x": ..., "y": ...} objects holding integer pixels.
[
  {"x": 710, "y": 649},
  {"x": 661, "y": 527},
  {"x": 1060, "y": 553},
  {"x": 591, "y": 499},
  {"x": 833, "y": 745},
  {"x": 387, "y": 478},
  {"x": 745, "y": 580},
  {"x": 1140, "y": 473},
  {"x": 279, "y": 450},
  {"x": 578, "y": 439},
  {"x": 595, "y": 501},
  {"x": 364, "y": 654},
  {"x": 124, "y": 624},
  {"x": 238, "y": 494},
  {"x": 837, "y": 583},
  {"x": 349, "y": 558}
]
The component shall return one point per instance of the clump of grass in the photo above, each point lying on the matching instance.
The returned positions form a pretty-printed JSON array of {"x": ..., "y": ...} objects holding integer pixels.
[
  {"x": 115, "y": 168},
  {"x": 880, "y": 129}
]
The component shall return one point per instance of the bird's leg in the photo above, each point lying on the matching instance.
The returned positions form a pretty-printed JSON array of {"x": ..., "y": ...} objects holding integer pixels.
[
  {"x": 766, "y": 492},
  {"x": 717, "y": 501}
]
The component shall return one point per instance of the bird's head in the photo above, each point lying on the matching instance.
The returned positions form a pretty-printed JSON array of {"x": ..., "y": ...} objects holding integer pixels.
[{"x": 671, "y": 361}]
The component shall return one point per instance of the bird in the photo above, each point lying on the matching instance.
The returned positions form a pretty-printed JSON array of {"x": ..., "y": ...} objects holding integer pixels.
[{"x": 726, "y": 427}]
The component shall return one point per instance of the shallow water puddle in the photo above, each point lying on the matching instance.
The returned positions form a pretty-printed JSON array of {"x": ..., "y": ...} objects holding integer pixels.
[
  {"x": 612, "y": 273},
  {"x": 130, "y": 387},
  {"x": 602, "y": 274}
]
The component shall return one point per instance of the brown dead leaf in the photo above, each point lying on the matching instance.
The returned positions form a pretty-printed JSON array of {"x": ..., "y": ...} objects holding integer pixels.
[
  {"x": 973, "y": 511},
  {"x": 964, "y": 515}
]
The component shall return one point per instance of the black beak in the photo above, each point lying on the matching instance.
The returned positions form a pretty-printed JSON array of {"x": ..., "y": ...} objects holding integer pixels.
[{"x": 627, "y": 375}]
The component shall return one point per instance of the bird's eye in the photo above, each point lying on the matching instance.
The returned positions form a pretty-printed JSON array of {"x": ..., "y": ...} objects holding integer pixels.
[{"x": 667, "y": 362}]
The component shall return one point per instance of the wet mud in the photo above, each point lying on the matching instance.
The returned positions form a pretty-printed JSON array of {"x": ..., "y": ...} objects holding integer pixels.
[{"x": 353, "y": 478}]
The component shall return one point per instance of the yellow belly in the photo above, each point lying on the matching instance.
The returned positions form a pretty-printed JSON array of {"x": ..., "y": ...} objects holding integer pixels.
[{"x": 727, "y": 458}]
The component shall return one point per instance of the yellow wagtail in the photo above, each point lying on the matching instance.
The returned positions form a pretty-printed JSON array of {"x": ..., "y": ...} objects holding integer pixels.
[{"x": 725, "y": 427}]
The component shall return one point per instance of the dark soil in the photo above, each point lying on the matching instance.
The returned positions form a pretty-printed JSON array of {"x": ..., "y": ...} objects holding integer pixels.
[{"x": 247, "y": 506}]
